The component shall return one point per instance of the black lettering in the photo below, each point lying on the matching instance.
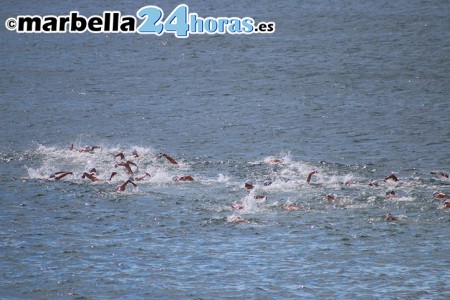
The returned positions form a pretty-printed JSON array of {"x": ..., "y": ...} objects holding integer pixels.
[
  {"x": 31, "y": 23},
  {"x": 63, "y": 21},
  {"x": 50, "y": 24},
  {"x": 128, "y": 24},
  {"x": 95, "y": 24},
  {"x": 265, "y": 27},
  {"x": 116, "y": 20},
  {"x": 107, "y": 21},
  {"x": 262, "y": 27},
  {"x": 78, "y": 23}
]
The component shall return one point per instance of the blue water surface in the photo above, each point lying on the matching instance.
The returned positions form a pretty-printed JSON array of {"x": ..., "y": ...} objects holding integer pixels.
[{"x": 355, "y": 90}]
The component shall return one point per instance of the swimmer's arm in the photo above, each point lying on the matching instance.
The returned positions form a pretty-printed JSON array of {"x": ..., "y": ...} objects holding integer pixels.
[
  {"x": 170, "y": 159},
  {"x": 308, "y": 180},
  {"x": 112, "y": 175},
  {"x": 142, "y": 177},
  {"x": 392, "y": 176},
  {"x": 131, "y": 163},
  {"x": 61, "y": 175},
  {"x": 443, "y": 174},
  {"x": 120, "y": 154},
  {"x": 89, "y": 176},
  {"x": 129, "y": 181}
]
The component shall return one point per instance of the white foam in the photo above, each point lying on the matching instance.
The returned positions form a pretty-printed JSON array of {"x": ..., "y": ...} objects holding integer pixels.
[{"x": 223, "y": 179}]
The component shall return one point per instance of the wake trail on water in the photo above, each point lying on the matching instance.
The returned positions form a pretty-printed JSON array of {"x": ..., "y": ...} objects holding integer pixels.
[
  {"x": 278, "y": 183},
  {"x": 103, "y": 160}
]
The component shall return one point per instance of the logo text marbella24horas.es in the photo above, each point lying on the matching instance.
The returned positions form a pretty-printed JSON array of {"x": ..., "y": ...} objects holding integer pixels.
[{"x": 179, "y": 22}]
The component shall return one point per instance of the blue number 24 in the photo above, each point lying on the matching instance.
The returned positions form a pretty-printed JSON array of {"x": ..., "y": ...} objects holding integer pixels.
[
  {"x": 176, "y": 22},
  {"x": 151, "y": 15}
]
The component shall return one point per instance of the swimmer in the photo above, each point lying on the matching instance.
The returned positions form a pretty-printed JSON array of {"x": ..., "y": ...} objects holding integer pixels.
[
  {"x": 374, "y": 183},
  {"x": 237, "y": 206},
  {"x": 170, "y": 159},
  {"x": 390, "y": 194},
  {"x": 236, "y": 219},
  {"x": 135, "y": 153},
  {"x": 87, "y": 149},
  {"x": 330, "y": 197},
  {"x": 60, "y": 174},
  {"x": 390, "y": 217},
  {"x": 142, "y": 177},
  {"x": 439, "y": 195},
  {"x": 292, "y": 207},
  {"x": 274, "y": 161},
  {"x": 112, "y": 175},
  {"x": 90, "y": 176},
  {"x": 446, "y": 205},
  {"x": 308, "y": 180},
  {"x": 442, "y": 174},
  {"x": 393, "y": 177},
  {"x": 119, "y": 154},
  {"x": 121, "y": 188},
  {"x": 127, "y": 165},
  {"x": 267, "y": 182},
  {"x": 184, "y": 178},
  {"x": 248, "y": 185}
]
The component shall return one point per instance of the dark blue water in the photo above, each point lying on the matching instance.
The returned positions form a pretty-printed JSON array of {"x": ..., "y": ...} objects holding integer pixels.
[{"x": 353, "y": 90}]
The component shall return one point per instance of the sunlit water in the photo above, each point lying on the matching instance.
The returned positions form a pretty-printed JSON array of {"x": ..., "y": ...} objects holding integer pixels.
[{"x": 352, "y": 90}]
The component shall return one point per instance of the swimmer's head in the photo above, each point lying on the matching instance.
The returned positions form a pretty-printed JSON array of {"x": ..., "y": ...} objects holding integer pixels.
[
  {"x": 390, "y": 194},
  {"x": 329, "y": 197},
  {"x": 248, "y": 185},
  {"x": 439, "y": 195},
  {"x": 267, "y": 182},
  {"x": 374, "y": 183},
  {"x": 390, "y": 217}
]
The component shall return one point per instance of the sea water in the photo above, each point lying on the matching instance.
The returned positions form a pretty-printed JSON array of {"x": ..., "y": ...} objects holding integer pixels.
[{"x": 354, "y": 90}]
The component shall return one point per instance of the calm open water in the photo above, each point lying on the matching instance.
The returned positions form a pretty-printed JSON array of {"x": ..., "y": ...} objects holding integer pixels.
[{"x": 353, "y": 89}]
